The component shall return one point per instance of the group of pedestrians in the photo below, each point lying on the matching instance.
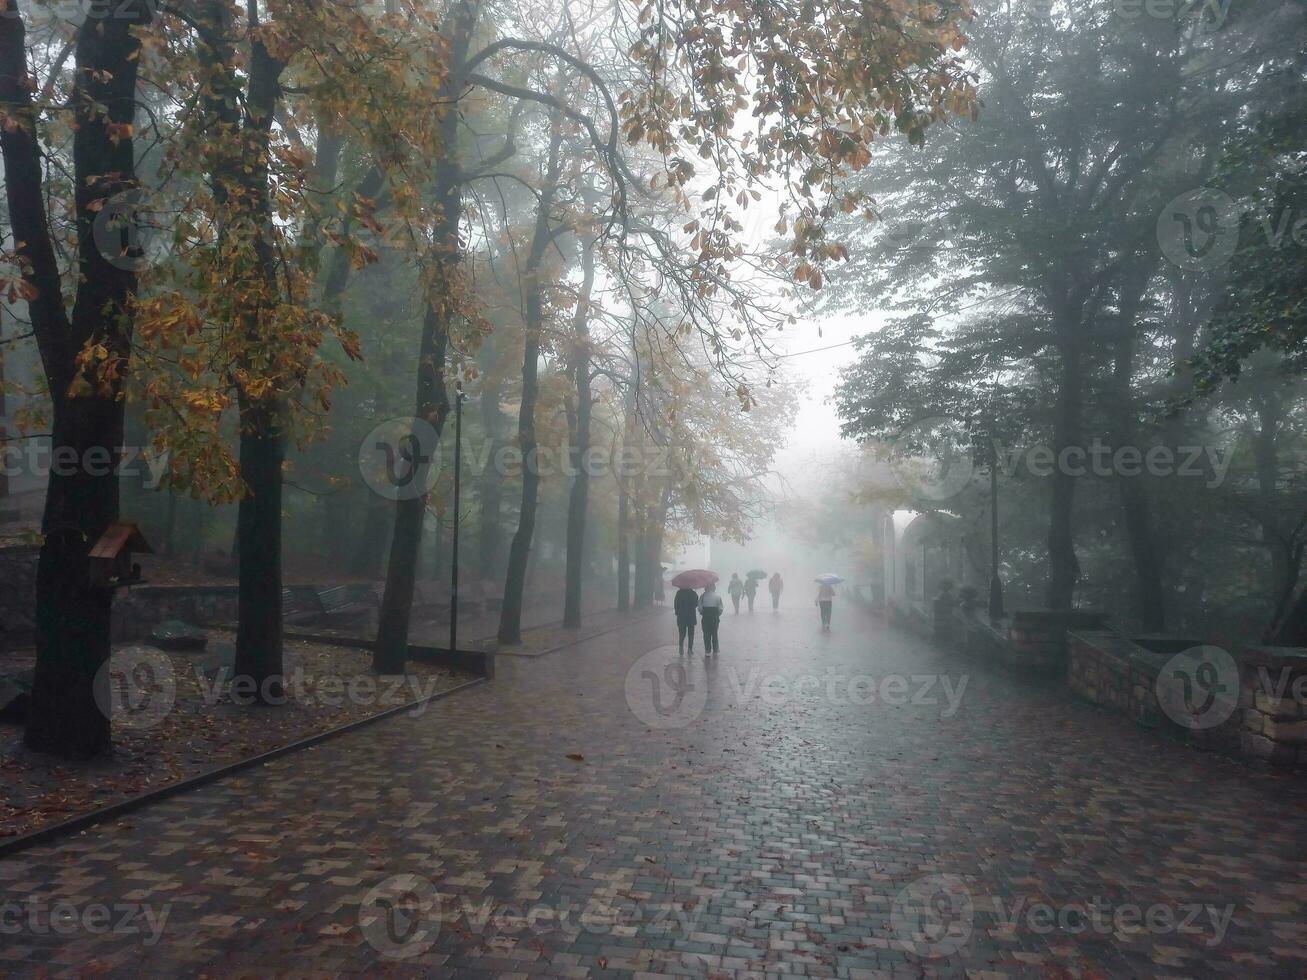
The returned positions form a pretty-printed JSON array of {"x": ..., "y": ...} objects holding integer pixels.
[
  {"x": 692, "y": 607},
  {"x": 689, "y": 607},
  {"x": 747, "y": 588}
]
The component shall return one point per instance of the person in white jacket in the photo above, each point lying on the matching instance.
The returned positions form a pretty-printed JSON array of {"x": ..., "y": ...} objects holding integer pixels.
[{"x": 710, "y": 612}]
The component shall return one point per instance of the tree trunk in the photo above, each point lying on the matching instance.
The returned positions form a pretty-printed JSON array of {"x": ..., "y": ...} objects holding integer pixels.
[
  {"x": 1063, "y": 567},
  {"x": 510, "y": 615},
  {"x": 623, "y": 553},
  {"x": 73, "y": 619},
  {"x": 1287, "y": 620},
  {"x": 258, "y": 525},
  {"x": 655, "y": 554},
  {"x": 391, "y": 651},
  {"x": 1145, "y": 549},
  {"x": 624, "y": 500},
  {"x": 262, "y": 416},
  {"x": 369, "y": 553},
  {"x": 432, "y": 401},
  {"x": 643, "y": 597},
  {"x": 579, "y": 495}
]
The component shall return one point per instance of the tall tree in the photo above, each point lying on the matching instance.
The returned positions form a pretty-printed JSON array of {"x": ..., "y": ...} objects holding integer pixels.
[
  {"x": 533, "y": 302},
  {"x": 85, "y": 356},
  {"x": 578, "y": 499}
]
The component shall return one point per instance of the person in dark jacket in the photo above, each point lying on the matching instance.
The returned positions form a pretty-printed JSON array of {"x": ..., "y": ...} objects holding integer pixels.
[
  {"x": 686, "y": 605},
  {"x": 751, "y": 591}
]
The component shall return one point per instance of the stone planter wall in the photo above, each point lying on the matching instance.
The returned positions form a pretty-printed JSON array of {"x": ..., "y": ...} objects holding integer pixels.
[
  {"x": 977, "y": 637},
  {"x": 1120, "y": 673},
  {"x": 1273, "y": 702},
  {"x": 137, "y": 610},
  {"x": 1039, "y": 636},
  {"x": 1110, "y": 670}
]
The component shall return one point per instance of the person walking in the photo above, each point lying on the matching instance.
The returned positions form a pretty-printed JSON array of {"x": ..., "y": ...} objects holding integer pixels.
[
  {"x": 710, "y": 608},
  {"x": 825, "y": 596},
  {"x": 686, "y": 604},
  {"x": 776, "y": 587},
  {"x": 751, "y": 591},
  {"x": 736, "y": 589}
]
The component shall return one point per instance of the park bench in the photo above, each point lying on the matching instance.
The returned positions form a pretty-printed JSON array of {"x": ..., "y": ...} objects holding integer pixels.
[{"x": 342, "y": 603}]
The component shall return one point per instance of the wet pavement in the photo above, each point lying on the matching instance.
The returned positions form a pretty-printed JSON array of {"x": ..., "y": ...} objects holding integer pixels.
[{"x": 851, "y": 804}]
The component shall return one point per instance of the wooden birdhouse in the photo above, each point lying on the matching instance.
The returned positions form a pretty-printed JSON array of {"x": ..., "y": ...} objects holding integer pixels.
[{"x": 111, "y": 558}]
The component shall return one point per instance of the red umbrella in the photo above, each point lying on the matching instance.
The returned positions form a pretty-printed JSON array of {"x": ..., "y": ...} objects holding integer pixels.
[{"x": 694, "y": 578}]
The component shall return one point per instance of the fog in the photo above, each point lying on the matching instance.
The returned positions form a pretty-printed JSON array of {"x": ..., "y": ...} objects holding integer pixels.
[{"x": 409, "y": 379}]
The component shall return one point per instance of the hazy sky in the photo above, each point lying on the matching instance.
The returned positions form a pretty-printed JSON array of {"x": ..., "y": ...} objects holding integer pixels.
[
  {"x": 816, "y": 434},
  {"x": 813, "y": 441}
]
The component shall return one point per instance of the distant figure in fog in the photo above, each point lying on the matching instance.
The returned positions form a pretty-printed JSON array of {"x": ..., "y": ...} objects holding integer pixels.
[
  {"x": 776, "y": 587},
  {"x": 736, "y": 589},
  {"x": 710, "y": 608},
  {"x": 686, "y": 605},
  {"x": 751, "y": 591},
  {"x": 825, "y": 596}
]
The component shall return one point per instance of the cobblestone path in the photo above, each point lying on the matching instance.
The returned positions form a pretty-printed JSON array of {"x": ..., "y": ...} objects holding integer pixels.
[{"x": 850, "y": 804}]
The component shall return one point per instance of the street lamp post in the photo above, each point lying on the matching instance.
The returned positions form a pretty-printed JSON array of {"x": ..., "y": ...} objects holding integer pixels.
[{"x": 458, "y": 473}]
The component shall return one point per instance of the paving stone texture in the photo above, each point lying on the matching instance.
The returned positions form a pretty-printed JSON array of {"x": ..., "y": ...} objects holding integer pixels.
[{"x": 848, "y": 803}]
